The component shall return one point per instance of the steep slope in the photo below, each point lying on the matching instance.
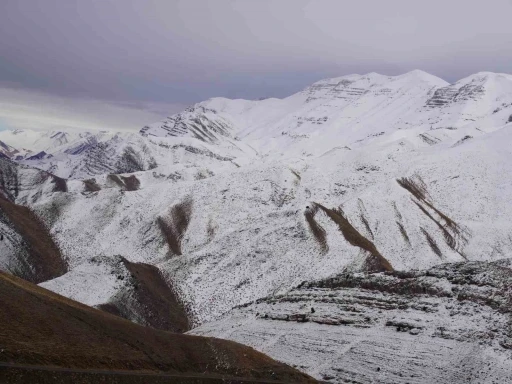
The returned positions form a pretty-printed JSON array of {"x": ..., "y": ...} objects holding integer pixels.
[
  {"x": 7, "y": 150},
  {"x": 42, "y": 328},
  {"x": 197, "y": 122},
  {"x": 119, "y": 154},
  {"x": 351, "y": 109},
  {"x": 134, "y": 291},
  {"x": 26, "y": 247},
  {"x": 25, "y": 184},
  {"x": 471, "y": 99}
]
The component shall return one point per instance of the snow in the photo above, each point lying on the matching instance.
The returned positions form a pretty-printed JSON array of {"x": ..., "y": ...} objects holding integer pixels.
[
  {"x": 251, "y": 169},
  {"x": 89, "y": 283},
  {"x": 381, "y": 334}
]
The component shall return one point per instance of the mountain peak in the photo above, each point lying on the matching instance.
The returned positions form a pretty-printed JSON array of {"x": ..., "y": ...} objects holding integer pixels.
[{"x": 425, "y": 76}]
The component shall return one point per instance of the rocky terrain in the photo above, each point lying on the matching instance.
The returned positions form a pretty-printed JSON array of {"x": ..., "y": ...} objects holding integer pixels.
[
  {"x": 450, "y": 323},
  {"x": 383, "y": 203}
]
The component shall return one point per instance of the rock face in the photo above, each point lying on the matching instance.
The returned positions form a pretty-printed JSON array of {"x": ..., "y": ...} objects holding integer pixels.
[
  {"x": 147, "y": 299},
  {"x": 198, "y": 122},
  {"x": 448, "y": 324}
]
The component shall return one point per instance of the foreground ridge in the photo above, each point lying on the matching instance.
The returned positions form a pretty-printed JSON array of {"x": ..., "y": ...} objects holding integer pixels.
[{"x": 45, "y": 329}]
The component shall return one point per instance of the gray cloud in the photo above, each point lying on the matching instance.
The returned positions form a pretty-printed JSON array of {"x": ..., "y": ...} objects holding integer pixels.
[
  {"x": 184, "y": 51},
  {"x": 27, "y": 109}
]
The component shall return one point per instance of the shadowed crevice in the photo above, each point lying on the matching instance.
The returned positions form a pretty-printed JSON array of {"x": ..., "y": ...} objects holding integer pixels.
[
  {"x": 126, "y": 183},
  {"x": 403, "y": 232},
  {"x": 131, "y": 183},
  {"x": 91, "y": 185},
  {"x": 432, "y": 243}
]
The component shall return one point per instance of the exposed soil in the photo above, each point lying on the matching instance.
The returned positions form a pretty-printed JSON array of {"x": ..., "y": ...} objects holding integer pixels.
[
  {"x": 455, "y": 235},
  {"x": 44, "y": 261},
  {"x": 316, "y": 229},
  {"x": 432, "y": 243},
  {"x": 91, "y": 185},
  {"x": 131, "y": 182},
  {"x": 416, "y": 186},
  {"x": 116, "y": 180},
  {"x": 175, "y": 224},
  {"x": 39, "y": 327},
  {"x": 403, "y": 232},
  {"x": 127, "y": 183},
  {"x": 366, "y": 225},
  {"x": 375, "y": 262},
  {"x": 60, "y": 184},
  {"x": 153, "y": 300}
]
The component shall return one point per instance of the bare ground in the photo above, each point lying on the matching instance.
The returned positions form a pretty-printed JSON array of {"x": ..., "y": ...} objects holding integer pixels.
[
  {"x": 41, "y": 328},
  {"x": 44, "y": 261}
]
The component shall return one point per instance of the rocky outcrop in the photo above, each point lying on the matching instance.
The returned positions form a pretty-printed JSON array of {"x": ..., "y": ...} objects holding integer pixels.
[
  {"x": 202, "y": 123},
  {"x": 448, "y": 324}
]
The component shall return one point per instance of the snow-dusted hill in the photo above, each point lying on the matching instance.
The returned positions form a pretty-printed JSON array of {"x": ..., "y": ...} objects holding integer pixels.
[
  {"x": 86, "y": 155},
  {"x": 448, "y": 324},
  {"x": 236, "y": 201}
]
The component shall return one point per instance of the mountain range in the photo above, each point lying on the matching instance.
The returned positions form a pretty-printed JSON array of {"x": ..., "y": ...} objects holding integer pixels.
[{"x": 358, "y": 230}]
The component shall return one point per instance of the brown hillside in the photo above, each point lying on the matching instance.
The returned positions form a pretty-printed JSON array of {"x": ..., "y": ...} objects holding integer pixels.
[
  {"x": 44, "y": 260},
  {"x": 41, "y": 328}
]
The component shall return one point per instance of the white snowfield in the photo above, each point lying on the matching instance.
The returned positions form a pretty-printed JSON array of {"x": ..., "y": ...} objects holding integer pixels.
[{"x": 238, "y": 200}]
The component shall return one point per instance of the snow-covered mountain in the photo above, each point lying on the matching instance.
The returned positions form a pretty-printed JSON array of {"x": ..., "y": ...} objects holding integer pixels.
[
  {"x": 249, "y": 210},
  {"x": 33, "y": 142},
  {"x": 89, "y": 154}
]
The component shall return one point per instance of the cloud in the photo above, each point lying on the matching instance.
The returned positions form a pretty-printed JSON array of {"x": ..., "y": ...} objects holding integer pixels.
[
  {"x": 184, "y": 51},
  {"x": 26, "y": 109}
]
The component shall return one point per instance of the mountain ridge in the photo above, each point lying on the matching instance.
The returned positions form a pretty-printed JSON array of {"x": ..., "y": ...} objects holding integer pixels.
[{"x": 235, "y": 203}]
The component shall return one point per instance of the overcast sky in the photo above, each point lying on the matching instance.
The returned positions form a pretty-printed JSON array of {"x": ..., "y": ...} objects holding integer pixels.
[{"x": 119, "y": 64}]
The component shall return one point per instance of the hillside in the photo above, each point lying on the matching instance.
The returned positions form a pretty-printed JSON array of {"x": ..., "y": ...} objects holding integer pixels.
[
  {"x": 231, "y": 202},
  {"x": 40, "y": 328},
  {"x": 448, "y": 324}
]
